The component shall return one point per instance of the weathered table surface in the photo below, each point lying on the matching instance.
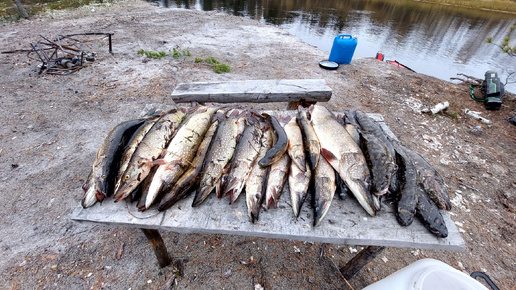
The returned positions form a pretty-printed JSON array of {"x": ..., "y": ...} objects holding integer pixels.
[
  {"x": 254, "y": 91},
  {"x": 345, "y": 223}
]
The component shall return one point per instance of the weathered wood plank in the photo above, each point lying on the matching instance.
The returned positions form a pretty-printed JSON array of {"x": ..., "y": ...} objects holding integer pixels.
[
  {"x": 254, "y": 91},
  {"x": 345, "y": 223},
  {"x": 158, "y": 246},
  {"x": 359, "y": 261}
]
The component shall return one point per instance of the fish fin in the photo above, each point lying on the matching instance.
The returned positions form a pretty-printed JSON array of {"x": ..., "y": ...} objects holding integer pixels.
[
  {"x": 100, "y": 196},
  {"x": 160, "y": 161},
  {"x": 328, "y": 155}
]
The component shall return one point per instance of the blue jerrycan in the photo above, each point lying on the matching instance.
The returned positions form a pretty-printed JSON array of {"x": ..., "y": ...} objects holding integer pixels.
[{"x": 343, "y": 49}]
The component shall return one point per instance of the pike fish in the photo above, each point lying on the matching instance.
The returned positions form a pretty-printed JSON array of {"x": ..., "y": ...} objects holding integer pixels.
[
  {"x": 353, "y": 132},
  {"x": 324, "y": 181},
  {"x": 179, "y": 153},
  {"x": 90, "y": 188},
  {"x": 311, "y": 142},
  {"x": 280, "y": 143},
  {"x": 381, "y": 163},
  {"x": 149, "y": 149},
  {"x": 278, "y": 174},
  {"x": 408, "y": 194},
  {"x": 255, "y": 184},
  {"x": 101, "y": 180},
  {"x": 144, "y": 188},
  {"x": 339, "y": 149},
  {"x": 298, "y": 182},
  {"x": 350, "y": 125},
  {"x": 221, "y": 151},
  {"x": 342, "y": 189},
  {"x": 246, "y": 154},
  {"x": 296, "y": 149},
  {"x": 369, "y": 127},
  {"x": 431, "y": 181},
  {"x": 131, "y": 147},
  {"x": 430, "y": 216},
  {"x": 184, "y": 184}
]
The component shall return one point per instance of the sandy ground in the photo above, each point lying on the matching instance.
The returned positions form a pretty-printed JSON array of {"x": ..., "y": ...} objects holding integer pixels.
[{"x": 53, "y": 125}]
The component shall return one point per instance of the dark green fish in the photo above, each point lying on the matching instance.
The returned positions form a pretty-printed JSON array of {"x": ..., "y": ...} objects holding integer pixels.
[
  {"x": 109, "y": 156},
  {"x": 381, "y": 166},
  {"x": 430, "y": 216},
  {"x": 408, "y": 195},
  {"x": 280, "y": 145},
  {"x": 369, "y": 126},
  {"x": 431, "y": 181}
]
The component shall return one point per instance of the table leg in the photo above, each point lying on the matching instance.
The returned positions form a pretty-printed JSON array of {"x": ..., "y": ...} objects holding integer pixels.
[
  {"x": 360, "y": 260},
  {"x": 159, "y": 247}
]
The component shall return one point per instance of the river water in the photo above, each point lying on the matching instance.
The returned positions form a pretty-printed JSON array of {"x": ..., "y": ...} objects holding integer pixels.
[{"x": 432, "y": 39}]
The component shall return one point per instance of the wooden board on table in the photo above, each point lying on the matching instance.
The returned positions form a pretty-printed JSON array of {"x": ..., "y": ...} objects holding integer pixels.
[
  {"x": 254, "y": 91},
  {"x": 345, "y": 223}
]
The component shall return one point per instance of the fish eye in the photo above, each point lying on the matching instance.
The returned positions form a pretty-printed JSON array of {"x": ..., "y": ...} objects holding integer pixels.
[{"x": 126, "y": 177}]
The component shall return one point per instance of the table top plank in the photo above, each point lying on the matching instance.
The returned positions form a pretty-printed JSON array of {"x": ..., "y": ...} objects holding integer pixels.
[
  {"x": 345, "y": 223},
  {"x": 254, "y": 91}
]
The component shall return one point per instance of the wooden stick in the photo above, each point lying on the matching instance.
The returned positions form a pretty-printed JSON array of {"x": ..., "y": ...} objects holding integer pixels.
[
  {"x": 159, "y": 247},
  {"x": 360, "y": 260}
]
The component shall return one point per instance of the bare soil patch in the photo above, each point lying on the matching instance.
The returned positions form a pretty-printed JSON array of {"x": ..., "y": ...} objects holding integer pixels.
[{"x": 53, "y": 125}]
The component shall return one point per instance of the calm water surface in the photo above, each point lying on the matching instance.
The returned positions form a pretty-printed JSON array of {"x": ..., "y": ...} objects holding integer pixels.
[{"x": 435, "y": 40}]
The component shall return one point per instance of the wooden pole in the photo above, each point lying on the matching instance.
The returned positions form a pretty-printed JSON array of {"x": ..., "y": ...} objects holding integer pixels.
[
  {"x": 159, "y": 247},
  {"x": 23, "y": 13},
  {"x": 360, "y": 260}
]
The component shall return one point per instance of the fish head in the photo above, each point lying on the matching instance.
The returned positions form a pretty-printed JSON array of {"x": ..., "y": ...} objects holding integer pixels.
[
  {"x": 90, "y": 195},
  {"x": 102, "y": 183},
  {"x": 132, "y": 177},
  {"x": 85, "y": 188}
]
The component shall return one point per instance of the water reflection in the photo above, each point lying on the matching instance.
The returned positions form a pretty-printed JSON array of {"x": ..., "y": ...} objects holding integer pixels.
[{"x": 432, "y": 39}]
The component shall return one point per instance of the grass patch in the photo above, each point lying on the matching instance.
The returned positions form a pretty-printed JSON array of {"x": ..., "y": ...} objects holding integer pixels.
[
  {"x": 152, "y": 54},
  {"x": 220, "y": 68},
  {"x": 215, "y": 64}
]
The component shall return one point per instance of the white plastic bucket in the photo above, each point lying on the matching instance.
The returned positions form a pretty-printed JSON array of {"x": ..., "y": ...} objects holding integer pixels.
[{"x": 427, "y": 274}]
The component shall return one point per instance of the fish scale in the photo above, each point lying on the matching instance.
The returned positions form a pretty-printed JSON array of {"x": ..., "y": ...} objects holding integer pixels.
[
  {"x": 256, "y": 183},
  {"x": 184, "y": 184},
  {"x": 343, "y": 154},
  {"x": 180, "y": 152},
  {"x": 221, "y": 150},
  {"x": 246, "y": 154},
  {"x": 149, "y": 149}
]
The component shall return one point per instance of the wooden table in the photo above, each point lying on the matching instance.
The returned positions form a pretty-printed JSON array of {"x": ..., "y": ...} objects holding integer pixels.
[{"x": 345, "y": 223}]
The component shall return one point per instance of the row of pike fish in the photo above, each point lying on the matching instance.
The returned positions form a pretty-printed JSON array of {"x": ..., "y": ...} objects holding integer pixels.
[{"x": 162, "y": 159}]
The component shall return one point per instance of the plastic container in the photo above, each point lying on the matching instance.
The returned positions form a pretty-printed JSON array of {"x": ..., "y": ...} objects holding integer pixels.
[
  {"x": 427, "y": 274},
  {"x": 343, "y": 49}
]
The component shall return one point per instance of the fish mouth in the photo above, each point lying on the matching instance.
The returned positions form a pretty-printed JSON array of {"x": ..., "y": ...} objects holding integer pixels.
[
  {"x": 255, "y": 212},
  {"x": 362, "y": 195},
  {"x": 123, "y": 192},
  {"x": 201, "y": 195},
  {"x": 382, "y": 192}
]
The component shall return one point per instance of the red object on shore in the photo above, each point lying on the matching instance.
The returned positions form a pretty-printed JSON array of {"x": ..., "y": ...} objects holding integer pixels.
[{"x": 396, "y": 63}]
